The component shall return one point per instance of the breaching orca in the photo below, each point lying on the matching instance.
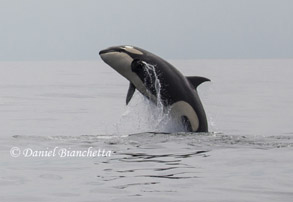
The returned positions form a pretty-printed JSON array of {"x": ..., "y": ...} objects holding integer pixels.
[{"x": 176, "y": 91}]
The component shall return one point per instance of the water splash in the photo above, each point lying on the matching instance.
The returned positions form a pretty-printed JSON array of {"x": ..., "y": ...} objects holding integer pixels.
[
  {"x": 144, "y": 115},
  {"x": 154, "y": 82}
]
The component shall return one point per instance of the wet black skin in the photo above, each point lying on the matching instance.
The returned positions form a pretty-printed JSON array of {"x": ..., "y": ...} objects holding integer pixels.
[{"x": 174, "y": 86}]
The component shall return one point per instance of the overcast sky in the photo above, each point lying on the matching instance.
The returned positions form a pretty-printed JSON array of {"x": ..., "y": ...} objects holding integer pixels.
[{"x": 174, "y": 29}]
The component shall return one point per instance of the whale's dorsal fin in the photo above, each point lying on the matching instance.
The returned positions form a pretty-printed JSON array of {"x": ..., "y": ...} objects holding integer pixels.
[
  {"x": 130, "y": 92},
  {"x": 196, "y": 80}
]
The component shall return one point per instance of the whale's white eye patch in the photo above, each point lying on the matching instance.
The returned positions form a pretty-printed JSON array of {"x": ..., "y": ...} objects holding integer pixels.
[{"x": 131, "y": 49}]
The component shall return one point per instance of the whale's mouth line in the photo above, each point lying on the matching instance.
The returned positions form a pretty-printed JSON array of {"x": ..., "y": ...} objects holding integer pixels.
[{"x": 107, "y": 51}]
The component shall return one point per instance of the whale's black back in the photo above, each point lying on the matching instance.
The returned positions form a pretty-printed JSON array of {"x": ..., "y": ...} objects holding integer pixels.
[{"x": 174, "y": 86}]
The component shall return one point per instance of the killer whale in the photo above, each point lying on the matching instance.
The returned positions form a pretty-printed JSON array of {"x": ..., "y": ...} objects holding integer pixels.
[{"x": 177, "y": 91}]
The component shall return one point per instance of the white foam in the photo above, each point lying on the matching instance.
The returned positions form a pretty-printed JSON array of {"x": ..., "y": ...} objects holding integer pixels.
[{"x": 143, "y": 115}]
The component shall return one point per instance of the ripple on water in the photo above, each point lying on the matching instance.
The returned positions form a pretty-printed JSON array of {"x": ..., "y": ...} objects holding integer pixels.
[{"x": 148, "y": 162}]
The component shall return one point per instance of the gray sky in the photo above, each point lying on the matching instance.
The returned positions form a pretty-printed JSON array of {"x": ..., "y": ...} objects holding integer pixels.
[{"x": 174, "y": 29}]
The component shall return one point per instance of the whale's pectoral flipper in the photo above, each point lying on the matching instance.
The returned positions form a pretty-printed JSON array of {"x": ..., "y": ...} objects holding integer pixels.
[
  {"x": 130, "y": 92},
  {"x": 196, "y": 80}
]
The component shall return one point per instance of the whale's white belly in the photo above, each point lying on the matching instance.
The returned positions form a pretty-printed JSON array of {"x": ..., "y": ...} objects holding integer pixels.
[{"x": 182, "y": 108}]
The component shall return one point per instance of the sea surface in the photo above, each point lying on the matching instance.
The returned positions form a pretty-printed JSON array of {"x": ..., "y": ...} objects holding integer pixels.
[{"x": 67, "y": 135}]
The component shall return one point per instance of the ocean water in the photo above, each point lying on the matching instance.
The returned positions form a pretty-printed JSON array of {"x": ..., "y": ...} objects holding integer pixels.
[{"x": 66, "y": 135}]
